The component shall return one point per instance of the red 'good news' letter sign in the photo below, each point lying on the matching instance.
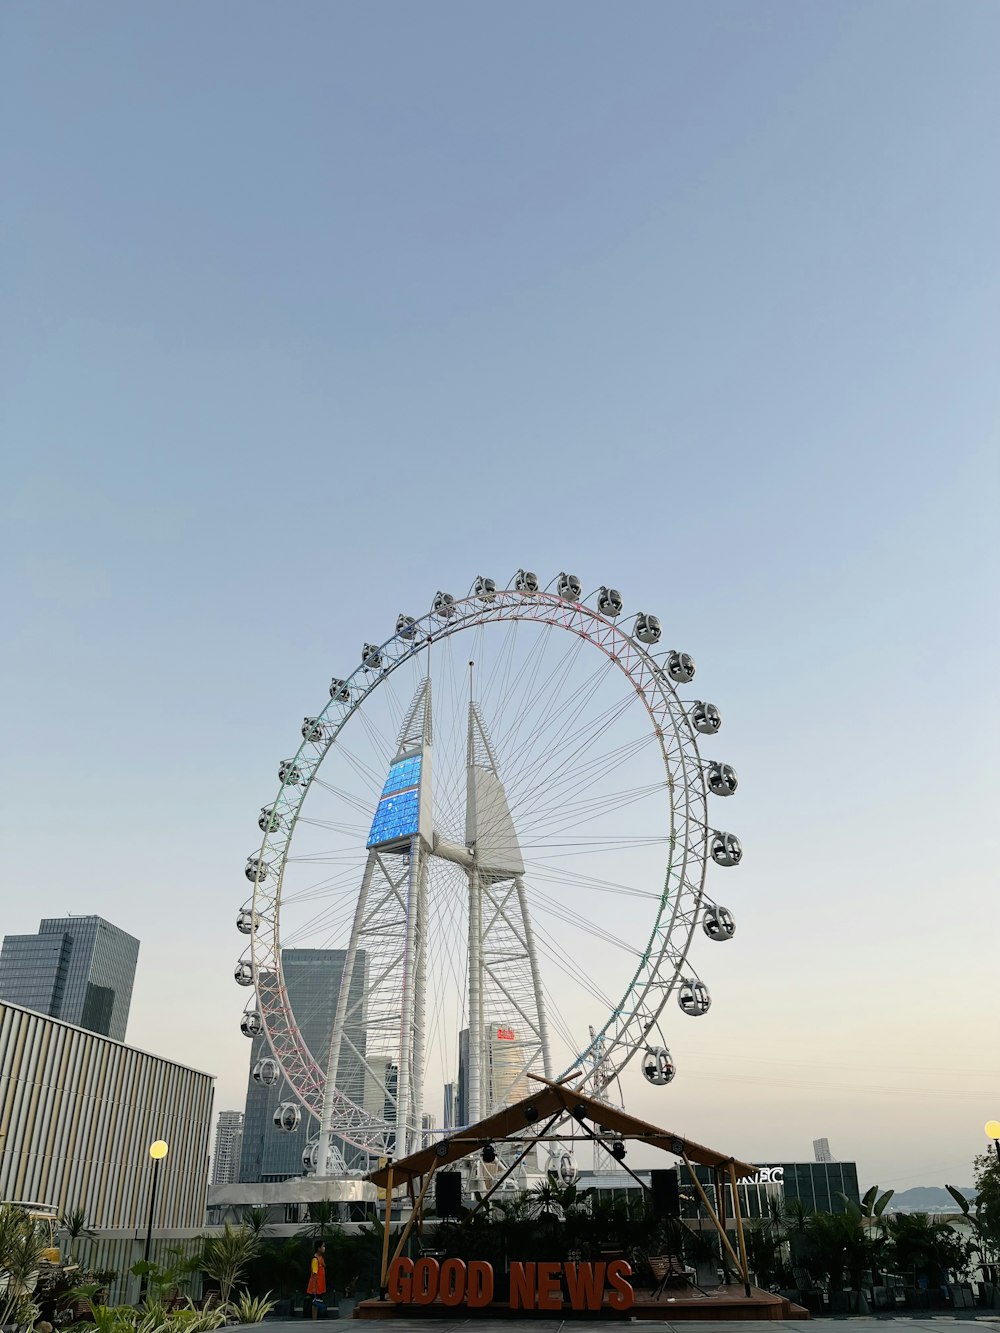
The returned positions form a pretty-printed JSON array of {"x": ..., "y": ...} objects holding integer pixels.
[
  {"x": 533, "y": 1286},
  {"x": 452, "y": 1282},
  {"x": 540, "y": 1286}
]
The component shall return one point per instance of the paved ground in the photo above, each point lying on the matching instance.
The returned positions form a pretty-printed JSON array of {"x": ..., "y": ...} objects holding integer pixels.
[{"x": 990, "y": 1320}]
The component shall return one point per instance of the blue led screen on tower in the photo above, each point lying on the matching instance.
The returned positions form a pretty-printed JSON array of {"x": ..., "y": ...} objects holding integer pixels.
[
  {"x": 403, "y": 773},
  {"x": 397, "y": 814}
]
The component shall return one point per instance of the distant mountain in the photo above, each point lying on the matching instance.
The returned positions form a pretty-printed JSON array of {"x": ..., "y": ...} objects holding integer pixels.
[{"x": 928, "y": 1199}]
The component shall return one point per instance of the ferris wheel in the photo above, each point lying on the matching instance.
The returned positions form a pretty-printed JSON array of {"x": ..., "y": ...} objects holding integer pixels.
[{"x": 486, "y": 858}]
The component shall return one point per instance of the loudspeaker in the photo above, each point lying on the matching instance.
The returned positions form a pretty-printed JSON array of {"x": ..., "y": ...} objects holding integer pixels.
[
  {"x": 448, "y": 1193},
  {"x": 666, "y": 1194}
]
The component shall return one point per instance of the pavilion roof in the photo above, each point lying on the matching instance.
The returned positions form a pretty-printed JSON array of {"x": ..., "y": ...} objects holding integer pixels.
[{"x": 549, "y": 1100}]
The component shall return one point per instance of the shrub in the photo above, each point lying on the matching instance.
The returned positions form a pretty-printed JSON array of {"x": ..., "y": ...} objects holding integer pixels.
[
  {"x": 22, "y": 1244},
  {"x": 225, "y": 1257},
  {"x": 251, "y": 1309}
]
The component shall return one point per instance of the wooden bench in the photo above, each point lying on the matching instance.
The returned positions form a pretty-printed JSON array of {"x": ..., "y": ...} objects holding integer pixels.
[{"x": 670, "y": 1273}]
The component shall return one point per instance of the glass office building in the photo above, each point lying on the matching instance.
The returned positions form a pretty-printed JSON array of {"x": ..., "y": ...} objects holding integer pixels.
[
  {"x": 79, "y": 969},
  {"x": 819, "y": 1185},
  {"x": 312, "y": 980}
]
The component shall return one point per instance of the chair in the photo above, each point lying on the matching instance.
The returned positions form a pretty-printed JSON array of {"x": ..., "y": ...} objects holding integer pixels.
[
  {"x": 810, "y": 1294},
  {"x": 670, "y": 1272}
]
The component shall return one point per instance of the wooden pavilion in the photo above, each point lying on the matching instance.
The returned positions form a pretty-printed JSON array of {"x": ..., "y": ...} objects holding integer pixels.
[{"x": 536, "y": 1119}]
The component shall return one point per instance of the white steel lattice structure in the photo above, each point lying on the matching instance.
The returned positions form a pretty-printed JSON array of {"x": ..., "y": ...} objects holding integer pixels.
[{"x": 507, "y": 741}]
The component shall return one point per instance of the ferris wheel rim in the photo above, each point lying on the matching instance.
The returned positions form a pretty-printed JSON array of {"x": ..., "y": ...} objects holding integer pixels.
[{"x": 647, "y": 990}]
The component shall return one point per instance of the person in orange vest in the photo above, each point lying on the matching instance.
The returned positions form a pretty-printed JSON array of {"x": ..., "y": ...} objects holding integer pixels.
[{"x": 316, "y": 1287}]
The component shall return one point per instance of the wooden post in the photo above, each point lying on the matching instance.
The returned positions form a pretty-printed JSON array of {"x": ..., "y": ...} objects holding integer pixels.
[
  {"x": 414, "y": 1215},
  {"x": 711, "y": 1211},
  {"x": 720, "y": 1199},
  {"x": 739, "y": 1230},
  {"x": 384, "y": 1284}
]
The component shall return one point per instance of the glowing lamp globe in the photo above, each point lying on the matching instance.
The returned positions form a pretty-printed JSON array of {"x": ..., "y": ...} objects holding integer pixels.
[
  {"x": 993, "y": 1129},
  {"x": 158, "y": 1150}
]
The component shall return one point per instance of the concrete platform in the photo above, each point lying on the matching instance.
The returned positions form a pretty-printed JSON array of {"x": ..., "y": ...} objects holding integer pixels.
[
  {"x": 924, "y": 1323},
  {"x": 717, "y": 1305}
]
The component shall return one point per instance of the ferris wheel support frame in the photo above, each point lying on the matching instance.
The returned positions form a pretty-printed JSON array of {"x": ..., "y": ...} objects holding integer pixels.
[{"x": 475, "y": 995}]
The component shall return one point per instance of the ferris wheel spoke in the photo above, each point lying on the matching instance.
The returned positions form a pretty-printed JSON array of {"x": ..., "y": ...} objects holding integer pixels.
[
  {"x": 382, "y": 746},
  {"x": 562, "y": 964},
  {"x": 330, "y": 856},
  {"x": 333, "y": 826},
  {"x": 560, "y": 913},
  {"x": 566, "y": 719},
  {"x": 555, "y": 739},
  {"x": 523, "y": 682},
  {"x": 356, "y": 802},
  {"x": 554, "y": 778},
  {"x": 576, "y": 773},
  {"x": 325, "y": 890},
  {"x": 554, "y": 730},
  {"x": 581, "y": 755},
  {"x": 593, "y": 847},
  {"x": 515, "y": 751},
  {"x": 582, "y": 842},
  {"x": 607, "y": 802},
  {"x": 545, "y": 870},
  {"x": 315, "y": 889}
]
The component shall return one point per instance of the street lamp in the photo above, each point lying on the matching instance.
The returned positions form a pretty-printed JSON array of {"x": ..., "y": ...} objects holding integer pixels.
[
  {"x": 993, "y": 1132},
  {"x": 157, "y": 1151}
]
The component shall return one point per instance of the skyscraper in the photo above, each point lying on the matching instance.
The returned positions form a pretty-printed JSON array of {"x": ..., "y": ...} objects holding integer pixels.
[
  {"x": 462, "y": 1099},
  {"x": 821, "y": 1150},
  {"x": 228, "y": 1140},
  {"x": 77, "y": 968},
  {"x": 508, "y": 1079},
  {"x": 312, "y": 981}
]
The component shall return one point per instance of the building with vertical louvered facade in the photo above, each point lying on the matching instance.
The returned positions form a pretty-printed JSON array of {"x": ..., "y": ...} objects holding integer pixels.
[{"x": 78, "y": 1112}]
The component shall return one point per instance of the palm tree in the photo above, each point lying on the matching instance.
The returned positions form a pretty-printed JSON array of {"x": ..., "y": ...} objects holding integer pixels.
[
  {"x": 551, "y": 1199},
  {"x": 837, "y": 1248},
  {"x": 321, "y": 1220},
  {"x": 257, "y": 1219},
  {"x": 514, "y": 1208},
  {"x": 74, "y": 1223},
  {"x": 920, "y": 1246},
  {"x": 225, "y": 1257},
  {"x": 762, "y": 1250},
  {"x": 795, "y": 1227},
  {"x": 74, "y": 1226}
]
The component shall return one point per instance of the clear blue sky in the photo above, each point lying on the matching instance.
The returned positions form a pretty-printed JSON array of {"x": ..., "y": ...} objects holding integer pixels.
[{"x": 309, "y": 310}]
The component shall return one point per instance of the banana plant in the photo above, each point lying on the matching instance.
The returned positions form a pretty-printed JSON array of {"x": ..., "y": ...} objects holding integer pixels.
[
  {"x": 984, "y": 1228},
  {"x": 869, "y": 1214}
]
